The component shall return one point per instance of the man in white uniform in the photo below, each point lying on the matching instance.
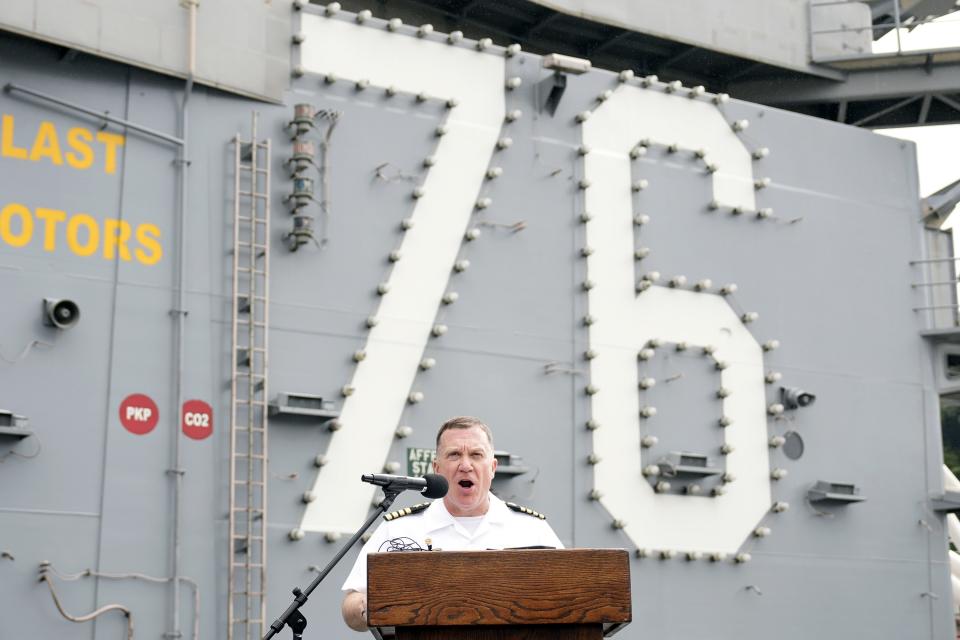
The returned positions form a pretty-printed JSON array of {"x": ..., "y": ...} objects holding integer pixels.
[{"x": 469, "y": 518}]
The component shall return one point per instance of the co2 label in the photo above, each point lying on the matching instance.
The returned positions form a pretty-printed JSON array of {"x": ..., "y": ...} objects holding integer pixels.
[{"x": 197, "y": 419}]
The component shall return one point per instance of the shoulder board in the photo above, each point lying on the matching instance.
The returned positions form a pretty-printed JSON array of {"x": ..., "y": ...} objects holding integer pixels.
[
  {"x": 399, "y": 513},
  {"x": 529, "y": 512}
]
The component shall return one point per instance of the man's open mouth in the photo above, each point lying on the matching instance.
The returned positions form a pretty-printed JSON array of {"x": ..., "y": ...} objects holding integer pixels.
[{"x": 466, "y": 484}]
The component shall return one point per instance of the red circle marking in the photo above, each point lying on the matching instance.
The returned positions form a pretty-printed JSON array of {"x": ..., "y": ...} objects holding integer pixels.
[
  {"x": 196, "y": 419},
  {"x": 139, "y": 414}
]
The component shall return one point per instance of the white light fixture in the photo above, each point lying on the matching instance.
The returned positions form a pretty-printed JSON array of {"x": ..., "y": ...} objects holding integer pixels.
[{"x": 566, "y": 64}]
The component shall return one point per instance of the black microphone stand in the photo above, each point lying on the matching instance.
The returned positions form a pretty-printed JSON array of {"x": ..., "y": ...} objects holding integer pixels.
[{"x": 293, "y": 616}]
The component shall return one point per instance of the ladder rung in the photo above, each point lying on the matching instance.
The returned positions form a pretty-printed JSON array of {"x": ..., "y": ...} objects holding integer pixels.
[
  {"x": 248, "y": 564},
  {"x": 252, "y": 194},
  {"x": 255, "y": 323},
  {"x": 239, "y": 537},
  {"x": 249, "y": 219},
  {"x": 248, "y": 167},
  {"x": 260, "y": 272}
]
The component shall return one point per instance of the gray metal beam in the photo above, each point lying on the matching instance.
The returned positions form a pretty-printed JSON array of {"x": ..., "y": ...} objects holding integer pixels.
[{"x": 860, "y": 85}]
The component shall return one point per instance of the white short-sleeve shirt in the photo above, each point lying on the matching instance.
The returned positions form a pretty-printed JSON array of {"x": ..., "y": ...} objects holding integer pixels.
[{"x": 500, "y": 528}]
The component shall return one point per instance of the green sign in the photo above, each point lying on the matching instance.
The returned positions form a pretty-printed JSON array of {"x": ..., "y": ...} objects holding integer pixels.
[{"x": 419, "y": 461}]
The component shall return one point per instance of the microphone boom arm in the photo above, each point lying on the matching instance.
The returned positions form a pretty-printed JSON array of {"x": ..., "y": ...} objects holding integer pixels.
[{"x": 293, "y": 616}]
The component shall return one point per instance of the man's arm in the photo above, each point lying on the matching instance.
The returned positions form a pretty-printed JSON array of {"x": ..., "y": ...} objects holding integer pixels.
[{"x": 354, "y": 610}]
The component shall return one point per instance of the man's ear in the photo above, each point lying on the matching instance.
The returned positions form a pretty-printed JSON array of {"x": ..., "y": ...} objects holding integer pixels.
[
  {"x": 436, "y": 466},
  {"x": 494, "y": 467}
]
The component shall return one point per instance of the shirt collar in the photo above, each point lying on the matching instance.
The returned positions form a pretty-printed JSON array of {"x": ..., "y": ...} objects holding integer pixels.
[{"x": 437, "y": 517}]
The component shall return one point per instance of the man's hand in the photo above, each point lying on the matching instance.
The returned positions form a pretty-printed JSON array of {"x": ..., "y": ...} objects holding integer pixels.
[{"x": 354, "y": 610}]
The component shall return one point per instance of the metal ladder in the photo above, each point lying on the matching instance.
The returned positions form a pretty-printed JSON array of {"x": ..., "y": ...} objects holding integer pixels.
[{"x": 246, "y": 607}]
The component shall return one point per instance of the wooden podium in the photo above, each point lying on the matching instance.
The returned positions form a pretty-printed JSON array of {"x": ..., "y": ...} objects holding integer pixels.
[{"x": 528, "y": 594}]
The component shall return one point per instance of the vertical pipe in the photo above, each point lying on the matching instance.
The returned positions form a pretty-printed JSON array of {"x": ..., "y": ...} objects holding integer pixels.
[
  {"x": 896, "y": 21},
  {"x": 180, "y": 311}
]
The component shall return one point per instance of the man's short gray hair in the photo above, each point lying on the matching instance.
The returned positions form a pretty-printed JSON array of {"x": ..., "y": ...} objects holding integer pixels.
[{"x": 465, "y": 422}]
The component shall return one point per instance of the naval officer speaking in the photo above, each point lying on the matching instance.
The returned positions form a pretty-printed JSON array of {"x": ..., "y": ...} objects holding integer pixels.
[{"x": 469, "y": 518}]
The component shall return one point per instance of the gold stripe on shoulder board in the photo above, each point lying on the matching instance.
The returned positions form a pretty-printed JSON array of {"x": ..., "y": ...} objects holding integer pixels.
[
  {"x": 399, "y": 513},
  {"x": 530, "y": 512}
]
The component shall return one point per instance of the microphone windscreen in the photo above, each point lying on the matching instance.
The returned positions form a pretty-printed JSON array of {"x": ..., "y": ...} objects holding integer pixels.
[{"x": 436, "y": 486}]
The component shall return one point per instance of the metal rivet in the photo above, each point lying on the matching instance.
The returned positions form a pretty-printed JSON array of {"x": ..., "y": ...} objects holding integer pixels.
[
  {"x": 504, "y": 143},
  {"x": 640, "y": 185},
  {"x": 648, "y": 412},
  {"x": 424, "y": 30},
  {"x": 455, "y": 37},
  {"x": 662, "y": 487},
  {"x": 484, "y": 43},
  {"x": 625, "y": 76},
  {"x": 332, "y": 8},
  {"x": 359, "y": 355},
  {"x": 450, "y": 297},
  {"x": 583, "y": 116},
  {"x": 439, "y": 330},
  {"x": 775, "y": 409},
  {"x": 427, "y": 363},
  {"x": 513, "y": 116},
  {"x": 514, "y": 83},
  {"x": 725, "y": 421},
  {"x": 394, "y": 23},
  {"x": 772, "y": 377},
  {"x": 648, "y": 441},
  {"x": 512, "y": 50},
  {"x": 415, "y": 397},
  {"x": 483, "y": 203},
  {"x": 296, "y": 534},
  {"x": 383, "y": 288},
  {"x": 461, "y": 265},
  {"x": 647, "y": 383},
  {"x": 494, "y": 172},
  {"x": 364, "y": 15},
  {"x": 404, "y": 431}
]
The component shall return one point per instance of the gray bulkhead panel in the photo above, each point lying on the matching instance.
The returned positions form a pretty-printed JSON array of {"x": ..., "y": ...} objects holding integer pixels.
[{"x": 828, "y": 275}]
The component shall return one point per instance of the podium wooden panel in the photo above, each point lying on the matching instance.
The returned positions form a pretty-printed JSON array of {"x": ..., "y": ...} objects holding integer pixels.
[{"x": 556, "y": 594}]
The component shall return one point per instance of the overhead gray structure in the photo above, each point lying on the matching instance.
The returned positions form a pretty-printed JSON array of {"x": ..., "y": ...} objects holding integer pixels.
[{"x": 811, "y": 57}]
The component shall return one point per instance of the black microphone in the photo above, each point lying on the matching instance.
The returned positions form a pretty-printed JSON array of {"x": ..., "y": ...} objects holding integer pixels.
[{"x": 431, "y": 485}]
